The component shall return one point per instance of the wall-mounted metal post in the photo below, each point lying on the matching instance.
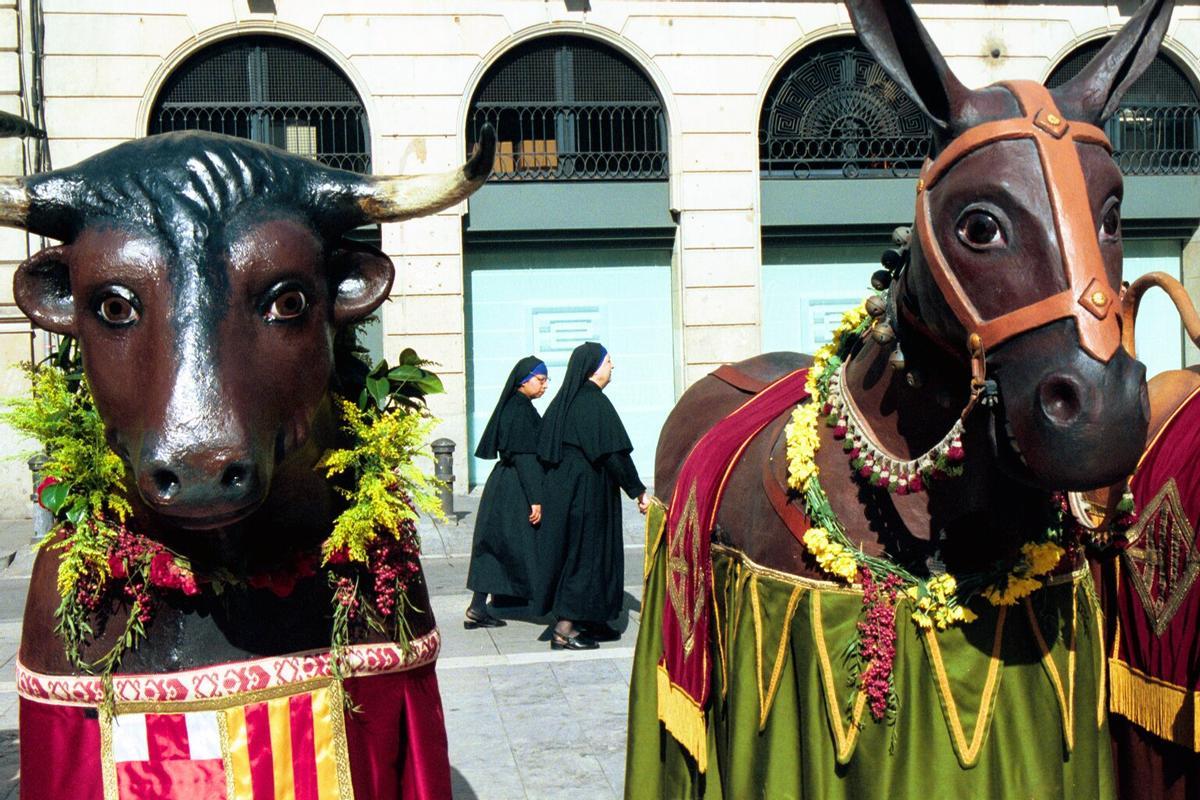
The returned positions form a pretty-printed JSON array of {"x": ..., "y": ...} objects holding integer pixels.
[
  {"x": 443, "y": 470},
  {"x": 43, "y": 520}
]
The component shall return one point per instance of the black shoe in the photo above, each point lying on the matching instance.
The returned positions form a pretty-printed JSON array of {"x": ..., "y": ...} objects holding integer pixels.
[
  {"x": 600, "y": 632},
  {"x": 471, "y": 621},
  {"x": 575, "y": 641}
]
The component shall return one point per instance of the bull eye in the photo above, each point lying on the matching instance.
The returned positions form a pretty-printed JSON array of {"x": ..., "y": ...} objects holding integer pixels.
[
  {"x": 980, "y": 230},
  {"x": 287, "y": 303},
  {"x": 1110, "y": 223},
  {"x": 118, "y": 306}
]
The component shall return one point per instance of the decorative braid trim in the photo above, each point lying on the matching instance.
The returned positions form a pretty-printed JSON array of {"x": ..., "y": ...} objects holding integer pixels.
[
  {"x": 224, "y": 681},
  {"x": 1161, "y": 707}
]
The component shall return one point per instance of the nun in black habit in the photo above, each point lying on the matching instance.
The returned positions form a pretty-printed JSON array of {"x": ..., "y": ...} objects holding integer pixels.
[
  {"x": 511, "y": 505},
  {"x": 580, "y": 554}
]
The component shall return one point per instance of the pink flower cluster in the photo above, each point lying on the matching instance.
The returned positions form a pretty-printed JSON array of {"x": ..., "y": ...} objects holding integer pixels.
[
  {"x": 393, "y": 561},
  {"x": 877, "y": 640}
]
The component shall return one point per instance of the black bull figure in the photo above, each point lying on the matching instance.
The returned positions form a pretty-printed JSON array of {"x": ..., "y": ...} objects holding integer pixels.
[
  {"x": 206, "y": 279},
  {"x": 1010, "y": 293}
]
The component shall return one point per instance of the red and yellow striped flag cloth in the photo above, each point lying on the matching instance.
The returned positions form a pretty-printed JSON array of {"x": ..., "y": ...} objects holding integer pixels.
[
  {"x": 275, "y": 747},
  {"x": 287, "y": 748}
]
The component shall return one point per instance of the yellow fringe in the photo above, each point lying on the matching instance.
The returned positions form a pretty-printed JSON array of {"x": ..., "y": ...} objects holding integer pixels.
[
  {"x": 683, "y": 719},
  {"x": 1160, "y": 707}
]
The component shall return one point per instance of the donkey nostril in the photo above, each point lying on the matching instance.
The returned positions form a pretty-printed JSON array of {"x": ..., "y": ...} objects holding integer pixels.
[
  {"x": 1060, "y": 400},
  {"x": 234, "y": 476},
  {"x": 166, "y": 482}
]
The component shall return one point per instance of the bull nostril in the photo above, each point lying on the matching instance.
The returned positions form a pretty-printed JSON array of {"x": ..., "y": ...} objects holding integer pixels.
[
  {"x": 234, "y": 476},
  {"x": 166, "y": 483},
  {"x": 1059, "y": 398}
]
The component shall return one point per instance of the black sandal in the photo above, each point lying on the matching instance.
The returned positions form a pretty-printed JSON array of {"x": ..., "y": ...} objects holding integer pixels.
[
  {"x": 471, "y": 622},
  {"x": 575, "y": 641}
]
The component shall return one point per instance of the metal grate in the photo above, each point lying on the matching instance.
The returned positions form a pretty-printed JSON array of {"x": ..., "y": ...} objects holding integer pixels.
[
  {"x": 1156, "y": 130},
  {"x": 835, "y": 112},
  {"x": 270, "y": 90},
  {"x": 566, "y": 108}
]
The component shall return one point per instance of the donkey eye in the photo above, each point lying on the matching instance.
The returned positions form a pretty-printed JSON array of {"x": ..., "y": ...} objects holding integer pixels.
[
  {"x": 118, "y": 306},
  {"x": 1110, "y": 225},
  {"x": 288, "y": 304},
  {"x": 979, "y": 230}
]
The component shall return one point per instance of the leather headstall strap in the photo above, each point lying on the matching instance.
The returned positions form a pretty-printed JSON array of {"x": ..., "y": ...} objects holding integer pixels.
[{"x": 1089, "y": 298}]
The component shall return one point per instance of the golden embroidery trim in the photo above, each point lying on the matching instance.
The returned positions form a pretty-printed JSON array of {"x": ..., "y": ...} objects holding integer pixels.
[
  {"x": 968, "y": 752},
  {"x": 843, "y": 738},
  {"x": 1066, "y": 699},
  {"x": 766, "y": 699}
]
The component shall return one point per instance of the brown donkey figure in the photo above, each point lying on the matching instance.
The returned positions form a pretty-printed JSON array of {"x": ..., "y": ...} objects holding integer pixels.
[
  {"x": 874, "y": 592},
  {"x": 210, "y": 284}
]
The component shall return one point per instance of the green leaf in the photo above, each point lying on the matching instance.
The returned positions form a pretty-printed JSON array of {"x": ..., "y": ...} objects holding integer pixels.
[
  {"x": 53, "y": 497},
  {"x": 77, "y": 512},
  {"x": 379, "y": 389},
  {"x": 431, "y": 384},
  {"x": 406, "y": 373},
  {"x": 380, "y": 368},
  {"x": 363, "y": 399}
]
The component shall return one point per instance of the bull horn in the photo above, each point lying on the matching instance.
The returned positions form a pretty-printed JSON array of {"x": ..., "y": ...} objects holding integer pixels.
[
  {"x": 14, "y": 202},
  {"x": 394, "y": 198}
]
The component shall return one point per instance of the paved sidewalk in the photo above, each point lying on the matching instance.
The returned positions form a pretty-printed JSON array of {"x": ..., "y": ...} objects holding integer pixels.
[{"x": 524, "y": 722}]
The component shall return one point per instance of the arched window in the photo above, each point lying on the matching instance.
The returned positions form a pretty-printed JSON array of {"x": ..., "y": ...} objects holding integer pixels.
[
  {"x": 570, "y": 108},
  {"x": 271, "y": 90},
  {"x": 1156, "y": 130},
  {"x": 833, "y": 111}
]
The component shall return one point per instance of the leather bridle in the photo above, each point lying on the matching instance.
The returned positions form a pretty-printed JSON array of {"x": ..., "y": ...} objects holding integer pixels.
[{"x": 1089, "y": 298}]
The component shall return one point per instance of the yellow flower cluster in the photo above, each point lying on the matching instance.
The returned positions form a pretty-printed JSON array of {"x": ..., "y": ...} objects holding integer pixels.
[
  {"x": 1038, "y": 559},
  {"x": 383, "y": 465},
  {"x": 1041, "y": 557},
  {"x": 936, "y": 603},
  {"x": 831, "y": 556},
  {"x": 803, "y": 441}
]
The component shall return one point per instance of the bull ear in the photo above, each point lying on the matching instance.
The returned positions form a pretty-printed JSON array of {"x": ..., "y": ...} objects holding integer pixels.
[
  {"x": 1093, "y": 94},
  {"x": 42, "y": 290},
  {"x": 892, "y": 32},
  {"x": 362, "y": 278}
]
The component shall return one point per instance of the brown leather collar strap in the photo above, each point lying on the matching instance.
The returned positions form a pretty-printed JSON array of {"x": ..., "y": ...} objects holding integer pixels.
[{"x": 1089, "y": 298}]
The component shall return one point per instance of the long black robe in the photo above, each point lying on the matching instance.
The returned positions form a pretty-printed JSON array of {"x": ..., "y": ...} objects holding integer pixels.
[
  {"x": 502, "y": 553},
  {"x": 581, "y": 560}
]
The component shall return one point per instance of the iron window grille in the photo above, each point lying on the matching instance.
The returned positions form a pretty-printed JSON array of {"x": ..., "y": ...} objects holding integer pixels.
[
  {"x": 270, "y": 90},
  {"x": 566, "y": 108},
  {"x": 834, "y": 112},
  {"x": 1156, "y": 130}
]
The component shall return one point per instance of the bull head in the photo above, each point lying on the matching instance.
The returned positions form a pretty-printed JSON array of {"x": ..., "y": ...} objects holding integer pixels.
[{"x": 206, "y": 278}]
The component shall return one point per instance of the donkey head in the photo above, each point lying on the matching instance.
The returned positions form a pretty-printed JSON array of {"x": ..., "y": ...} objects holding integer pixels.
[{"x": 1017, "y": 251}]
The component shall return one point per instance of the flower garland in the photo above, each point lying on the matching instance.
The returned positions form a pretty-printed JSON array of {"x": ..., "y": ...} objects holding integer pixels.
[
  {"x": 938, "y": 601},
  {"x": 370, "y": 558}
]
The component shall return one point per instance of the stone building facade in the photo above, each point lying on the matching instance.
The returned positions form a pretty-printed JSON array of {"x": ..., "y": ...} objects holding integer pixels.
[{"x": 678, "y": 272}]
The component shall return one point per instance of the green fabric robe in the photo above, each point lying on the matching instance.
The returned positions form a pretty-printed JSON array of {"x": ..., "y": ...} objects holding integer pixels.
[{"x": 1001, "y": 708}]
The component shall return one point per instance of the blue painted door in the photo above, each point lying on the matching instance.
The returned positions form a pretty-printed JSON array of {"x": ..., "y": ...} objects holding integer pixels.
[
  {"x": 806, "y": 289},
  {"x": 546, "y": 300}
]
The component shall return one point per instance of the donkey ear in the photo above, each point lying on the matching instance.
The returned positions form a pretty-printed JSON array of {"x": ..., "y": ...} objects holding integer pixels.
[
  {"x": 892, "y": 32},
  {"x": 1094, "y": 93},
  {"x": 42, "y": 290},
  {"x": 361, "y": 279}
]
